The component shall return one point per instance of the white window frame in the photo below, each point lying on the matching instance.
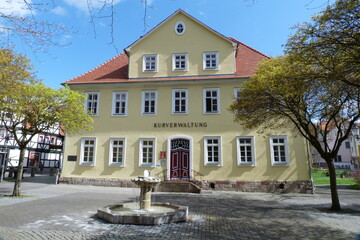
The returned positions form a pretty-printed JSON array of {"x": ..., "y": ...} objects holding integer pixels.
[
  {"x": 272, "y": 152},
  {"x": 205, "y": 54},
  {"x": 97, "y": 101},
  {"x": 82, "y": 151},
  {"x": 144, "y": 92},
  {"x": 237, "y": 92},
  {"x": 145, "y": 61},
  {"x": 111, "y": 151},
  {"x": 2, "y": 132},
  {"x": 141, "y": 153},
  {"x": 114, "y": 101},
  {"x": 174, "y": 61},
  {"x": 174, "y": 99},
  {"x": 206, "y": 145},
  {"x": 205, "y": 90},
  {"x": 251, "y": 145},
  {"x": 176, "y": 28}
]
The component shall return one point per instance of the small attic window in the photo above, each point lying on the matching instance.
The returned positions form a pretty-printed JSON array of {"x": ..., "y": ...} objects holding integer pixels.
[{"x": 179, "y": 28}]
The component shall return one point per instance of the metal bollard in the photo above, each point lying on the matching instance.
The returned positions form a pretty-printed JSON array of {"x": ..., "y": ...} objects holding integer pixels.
[{"x": 57, "y": 176}]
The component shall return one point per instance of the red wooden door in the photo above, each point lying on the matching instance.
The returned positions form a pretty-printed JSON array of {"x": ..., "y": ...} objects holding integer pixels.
[
  {"x": 34, "y": 159},
  {"x": 180, "y": 160}
]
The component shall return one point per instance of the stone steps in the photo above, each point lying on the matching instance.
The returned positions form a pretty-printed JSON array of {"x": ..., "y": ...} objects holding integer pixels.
[{"x": 178, "y": 186}]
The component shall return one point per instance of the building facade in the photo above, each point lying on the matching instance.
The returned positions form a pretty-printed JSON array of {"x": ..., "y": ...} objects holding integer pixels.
[
  {"x": 44, "y": 151},
  {"x": 343, "y": 159},
  {"x": 162, "y": 106},
  {"x": 354, "y": 140}
]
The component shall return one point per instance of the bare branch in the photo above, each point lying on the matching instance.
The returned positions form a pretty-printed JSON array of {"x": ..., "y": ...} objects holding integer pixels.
[{"x": 38, "y": 35}]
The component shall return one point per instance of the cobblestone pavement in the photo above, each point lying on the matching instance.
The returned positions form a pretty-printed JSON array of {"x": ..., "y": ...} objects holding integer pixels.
[{"x": 68, "y": 212}]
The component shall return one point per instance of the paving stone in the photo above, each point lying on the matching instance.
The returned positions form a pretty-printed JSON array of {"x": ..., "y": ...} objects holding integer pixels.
[{"x": 69, "y": 212}]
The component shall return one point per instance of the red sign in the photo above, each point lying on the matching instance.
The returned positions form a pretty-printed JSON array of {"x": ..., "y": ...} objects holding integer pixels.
[{"x": 163, "y": 155}]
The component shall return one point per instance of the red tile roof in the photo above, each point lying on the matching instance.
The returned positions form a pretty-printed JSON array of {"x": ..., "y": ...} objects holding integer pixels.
[
  {"x": 247, "y": 59},
  {"x": 116, "y": 69}
]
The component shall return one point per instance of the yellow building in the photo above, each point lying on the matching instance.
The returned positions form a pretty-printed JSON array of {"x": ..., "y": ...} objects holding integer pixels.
[{"x": 162, "y": 105}]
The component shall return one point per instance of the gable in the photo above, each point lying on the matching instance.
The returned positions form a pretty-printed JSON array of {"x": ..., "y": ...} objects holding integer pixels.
[
  {"x": 163, "y": 41},
  {"x": 178, "y": 12},
  {"x": 236, "y": 59}
]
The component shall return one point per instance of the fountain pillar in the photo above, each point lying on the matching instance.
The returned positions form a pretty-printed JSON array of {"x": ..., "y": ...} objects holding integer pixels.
[
  {"x": 145, "y": 196},
  {"x": 146, "y": 184}
]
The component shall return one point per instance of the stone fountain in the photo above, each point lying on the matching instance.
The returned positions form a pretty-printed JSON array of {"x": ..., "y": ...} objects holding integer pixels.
[
  {"x": 146, "y": 184},
  {"x": 144, "y": 212}
]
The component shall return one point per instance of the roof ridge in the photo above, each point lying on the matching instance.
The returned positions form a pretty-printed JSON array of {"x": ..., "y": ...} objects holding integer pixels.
[
  {"x": 95, "y": 68},
  {"x": 253, "y": 49}
]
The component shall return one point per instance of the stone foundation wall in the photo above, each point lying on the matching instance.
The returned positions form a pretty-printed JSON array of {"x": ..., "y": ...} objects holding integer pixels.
[
  {"x": 259, "y": 186},
  {"x": 241, "y": 186},
  {"x": 105, "y": 182}
]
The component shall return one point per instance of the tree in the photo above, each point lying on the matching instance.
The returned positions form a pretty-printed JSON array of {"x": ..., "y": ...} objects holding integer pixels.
[
  {"x": 287, "y": 92},
  {"x": 14, "y": 68},
  {"x": 332, "y": 35},
  {"x": 20, "y": 20},
  {"x": 314, "y": 87},
  {"x": 28, "y": 107}
]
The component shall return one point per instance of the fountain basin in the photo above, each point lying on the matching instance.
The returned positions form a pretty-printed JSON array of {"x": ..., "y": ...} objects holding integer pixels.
[{"x": 157, "y": 214}]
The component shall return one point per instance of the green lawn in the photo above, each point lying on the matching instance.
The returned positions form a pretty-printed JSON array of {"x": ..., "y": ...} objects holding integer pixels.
[{"x": 320, "y": 178}]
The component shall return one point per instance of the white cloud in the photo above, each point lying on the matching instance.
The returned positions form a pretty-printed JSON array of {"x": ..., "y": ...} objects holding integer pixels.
[
  {"x": 203, "y": 14},
  {"x": 203, "y": 3},
  {"x": 15, "y": 7},
  {"x": 79, "y": 4},
  {"x": 65, "y": 40},
  {"x": 59, "y": 11},
  {"x": 83, "y": 6},
  {"x": 150, "y": 2}
]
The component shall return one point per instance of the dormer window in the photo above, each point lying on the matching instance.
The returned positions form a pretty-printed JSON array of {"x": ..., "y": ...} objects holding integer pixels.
[{"x": 179, "y": 28}]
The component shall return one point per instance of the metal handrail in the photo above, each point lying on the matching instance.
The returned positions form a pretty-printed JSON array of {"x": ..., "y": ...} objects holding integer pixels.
[
  {"x": 195, "y": 173},
  {"x": 161, "y": 175}
]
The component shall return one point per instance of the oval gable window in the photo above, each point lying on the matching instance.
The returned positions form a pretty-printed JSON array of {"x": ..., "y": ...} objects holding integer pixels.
[{"x": 180, "y": 28}]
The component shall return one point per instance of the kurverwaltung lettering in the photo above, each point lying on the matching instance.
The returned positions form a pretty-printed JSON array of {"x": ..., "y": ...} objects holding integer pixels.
[{"x": 181, "y": 125}]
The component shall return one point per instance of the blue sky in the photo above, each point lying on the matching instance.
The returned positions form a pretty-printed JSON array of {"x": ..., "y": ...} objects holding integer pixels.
[{"x": 262, "y": 24}]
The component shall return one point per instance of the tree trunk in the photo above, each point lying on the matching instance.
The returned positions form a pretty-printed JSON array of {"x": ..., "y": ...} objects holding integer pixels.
[
  {"x": 19, "y": 173},
  {"x": 335, "y": 203}
]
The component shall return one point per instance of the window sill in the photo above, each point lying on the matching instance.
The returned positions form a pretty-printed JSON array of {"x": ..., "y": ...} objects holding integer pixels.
[
  {"x": 146, "y": 165},
  {"x": 285, "y": 164},
  {"x": 250, "y": 164},
  {"x": 87, "y": 164},
  {"x": 211, "y": 113},
  {"x": 180, "y": 113},
  {"x": 149, "y": 114},
  {"x": 116, "y": 165},
  {"x": 212, "y": 164}
]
